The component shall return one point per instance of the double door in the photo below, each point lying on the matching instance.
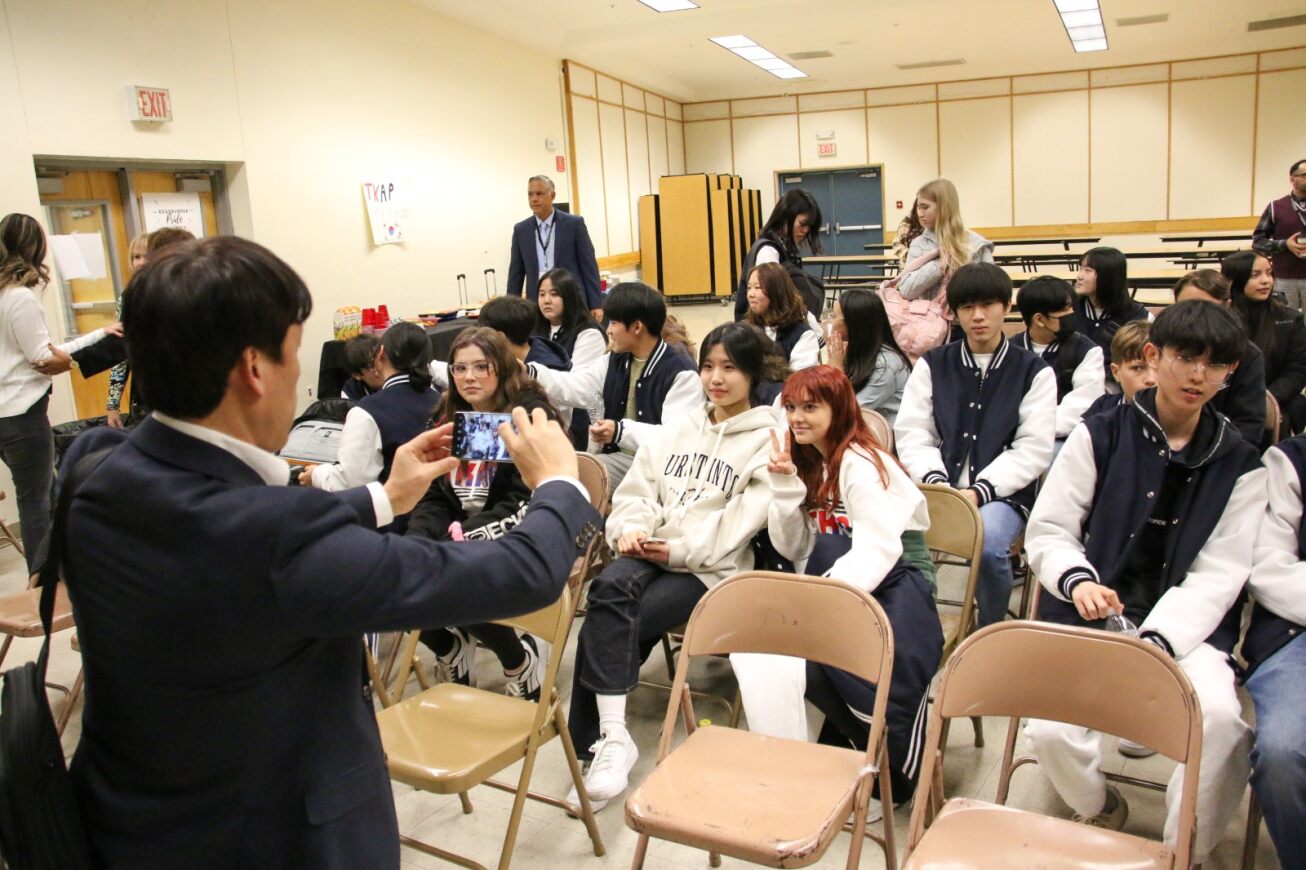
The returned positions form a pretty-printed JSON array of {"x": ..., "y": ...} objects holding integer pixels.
[{"x": 852, "y": 213}]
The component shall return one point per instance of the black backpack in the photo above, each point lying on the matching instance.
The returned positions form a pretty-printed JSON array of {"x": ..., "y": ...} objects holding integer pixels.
[{"x": 40, "y": 821}]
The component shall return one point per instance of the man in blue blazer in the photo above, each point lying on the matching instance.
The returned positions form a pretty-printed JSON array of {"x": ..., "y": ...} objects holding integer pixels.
[
  {"x": 220, "y": 612},
  {"x": 550, "y": 239}
]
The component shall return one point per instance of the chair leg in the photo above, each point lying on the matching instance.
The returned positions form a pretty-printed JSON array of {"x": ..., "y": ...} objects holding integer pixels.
[
  {"x": 978, "y": 724},
  {"x": 1253, "y": 835},
  {"x": 466, "y": 802},
  {"x": 714, "y": 859},
  {"x": 518, "y": 804},
  {"x": 859, "y": 822},
  {"x": 67, "y": 711},
  {"x": 4, "y": 647},
  {"x": 586, "y": 810},
  {"x": 669, "y": 656},
  {"x": 886, "y": 808},
  {"x": 641, "y": 849}
]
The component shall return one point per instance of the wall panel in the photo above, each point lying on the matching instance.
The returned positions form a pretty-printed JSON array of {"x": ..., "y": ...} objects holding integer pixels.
[
  {"x": 675, "y": 146},
  {"x": 1281, "y": 134},
  {"x": 1129, "y": 153},
  {"x": 1208, "y": 156},
  {"x": 637, "y": 163},
  {"x": 615, "y": 183},
  {"x": 589, "y": 170},
  {"x": 763, "y": 145},
  {"x": 657, "y": 149},
  {"x": 707, "y": 146},
  {"x": 849, "y": 128},
  {"x": 905, "y": 140},
  {"x": 1051, "y": 158},
  {"x": 975, "y": 152}
]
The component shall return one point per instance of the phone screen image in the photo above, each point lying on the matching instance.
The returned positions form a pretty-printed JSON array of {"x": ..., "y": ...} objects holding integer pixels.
[{"x": 476, "y": 436}]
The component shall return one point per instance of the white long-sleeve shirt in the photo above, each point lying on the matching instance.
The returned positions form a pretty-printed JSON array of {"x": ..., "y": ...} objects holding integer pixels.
[
  {"x": 1087, "y": 385},
  {"x": 358, "y": 461},
  {"x": 1278, "y": 579},
  {"x": 1185, "y": 614},
  {"x": 24, "y": 340},
  {"x": 1030, "y": 453},
  {"x": 590, "y": 345}
]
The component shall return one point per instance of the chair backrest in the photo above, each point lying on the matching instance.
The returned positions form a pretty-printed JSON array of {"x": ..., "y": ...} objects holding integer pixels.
[
  {"x": 594, "y": 477},
  {"x": 1100, "y": 680},
  {"x": 880, "y": 428},
  {"x": 955, "y": 524},
  {"x": 1273, "y": 417},
  {"x": 811, "y": 618}
]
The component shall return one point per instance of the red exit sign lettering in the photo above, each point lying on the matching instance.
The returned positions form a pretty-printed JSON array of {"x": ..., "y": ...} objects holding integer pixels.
[
  {"x": 151, "y": 104},
  {"x": 826, "y": 149}
]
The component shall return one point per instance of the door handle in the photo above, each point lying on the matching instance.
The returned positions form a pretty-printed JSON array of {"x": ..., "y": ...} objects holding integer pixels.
[{"x": 851, "y": 229}]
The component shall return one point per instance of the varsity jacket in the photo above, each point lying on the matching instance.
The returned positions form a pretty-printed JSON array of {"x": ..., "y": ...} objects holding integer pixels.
[
  {"x": 1278, "y": 581},
  {"x": 668, "y": 386},
  {"x": 1242, "y": 399},
  {"x": 1105, "y": 403},
  {"x": 1100, "y": 496},
  {"x": 799, "y": 343},
  {"x": 1101, "y": 327},
  {"x": 987, "y": 429},
  {"x": 1077, "y": 364},
  {"x": 374, "y": 429}
]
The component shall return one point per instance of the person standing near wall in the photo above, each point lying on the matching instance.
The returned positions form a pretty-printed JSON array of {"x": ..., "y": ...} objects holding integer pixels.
[
  {"x": 1278, "y": 236},
  {"x": 550, "y": 239}
]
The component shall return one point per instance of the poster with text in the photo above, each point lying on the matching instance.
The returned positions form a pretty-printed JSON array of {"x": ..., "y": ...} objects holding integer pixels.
[
  {"x": 386, "y": 211},
  {"x": 178, "y": 210}
]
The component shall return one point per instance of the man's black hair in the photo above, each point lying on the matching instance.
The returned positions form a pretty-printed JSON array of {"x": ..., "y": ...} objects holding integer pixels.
[
  {"x": 1195, "y": 328},
  {"x": 632, "y": 301},
  {"x": 360, "y": 352},
  {"x": 1295, "y": 167},
  {"x": 191, "y": 312},
  {"x": 511, "y": 315},
  {"x": 978, "y": 283},
  {"x": 1044, "y": 295}
]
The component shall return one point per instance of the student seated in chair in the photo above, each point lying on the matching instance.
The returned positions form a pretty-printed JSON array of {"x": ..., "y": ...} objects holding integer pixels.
[
  {"x": 1275, "y": 649},
  {"x": 1150, "y": 511},
  {"x": 1047, "y": 305},
  {"x": 1242, "y": 399},
  {"x": 846, "y": 522},
  {"x": 640, "y": 383},
  {"x": 980, "y": 415},
  {"x": 682, "y": 521},
  {"x": 1129, "y": 369}
]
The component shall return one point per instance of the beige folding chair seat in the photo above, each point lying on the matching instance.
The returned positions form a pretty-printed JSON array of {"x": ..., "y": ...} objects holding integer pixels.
[{"x": 20, "y": 616}]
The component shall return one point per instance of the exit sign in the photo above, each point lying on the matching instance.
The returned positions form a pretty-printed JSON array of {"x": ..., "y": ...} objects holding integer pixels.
[
  {"x": 150, "y": 104},
  {"x": 826, "y": 149}
]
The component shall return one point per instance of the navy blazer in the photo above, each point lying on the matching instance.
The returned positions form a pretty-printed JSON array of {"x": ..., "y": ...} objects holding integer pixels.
[
  {"x": 220, "y": 621},
  {"x": 575, "y": 253}
]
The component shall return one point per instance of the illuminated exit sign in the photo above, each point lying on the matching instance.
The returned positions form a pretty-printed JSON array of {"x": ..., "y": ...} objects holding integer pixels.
[{"x": 150, "y": 104}]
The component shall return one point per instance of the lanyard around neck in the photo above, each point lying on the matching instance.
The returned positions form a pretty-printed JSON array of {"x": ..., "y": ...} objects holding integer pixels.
[{"x": 539, "y": 234}]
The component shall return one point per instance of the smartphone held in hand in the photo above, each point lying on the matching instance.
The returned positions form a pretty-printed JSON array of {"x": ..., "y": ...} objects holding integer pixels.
[{"x": 476, "y": 436}]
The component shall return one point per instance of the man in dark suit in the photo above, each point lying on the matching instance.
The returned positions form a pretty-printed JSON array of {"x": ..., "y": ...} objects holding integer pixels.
[
  {"x": 220, "y": 612},
  {"x": 550, "y": 239}
]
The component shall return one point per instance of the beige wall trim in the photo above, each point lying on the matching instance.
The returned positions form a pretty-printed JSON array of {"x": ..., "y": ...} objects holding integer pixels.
[
  {"x": 1116, "y": 228},
  {"x": 619, "y": 261}
]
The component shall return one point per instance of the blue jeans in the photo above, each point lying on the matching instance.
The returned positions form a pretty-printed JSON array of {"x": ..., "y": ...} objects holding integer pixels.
[
  {"x": 1279, "y": 755},
  {"x": 27, "y": 448},
  {"x": 1002, "y": 525}
]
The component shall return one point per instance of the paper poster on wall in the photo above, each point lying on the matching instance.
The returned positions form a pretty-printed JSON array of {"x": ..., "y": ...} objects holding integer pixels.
[
  {"x": 180, "y": 210},
  {"x": 385, "y": 211},
  {"x": 68, "y": 258}
]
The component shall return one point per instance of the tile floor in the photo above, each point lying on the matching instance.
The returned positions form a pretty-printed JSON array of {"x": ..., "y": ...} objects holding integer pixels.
[{"x": 549, "y": 839}]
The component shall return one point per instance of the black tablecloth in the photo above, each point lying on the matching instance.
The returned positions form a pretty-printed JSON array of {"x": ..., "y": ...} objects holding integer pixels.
[{"x": 332, "y": 371}]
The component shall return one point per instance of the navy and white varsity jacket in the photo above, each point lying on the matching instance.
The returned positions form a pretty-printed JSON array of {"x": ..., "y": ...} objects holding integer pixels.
[
  {"x": 799, "y": 343},
  {"x": 990, "y": 429},
  {"x": 1278, "y": 581},
  {"x": 669, "y": 384},
  {"x": 1078, "y": 367},
  {"x": 1100, "y": 496}
]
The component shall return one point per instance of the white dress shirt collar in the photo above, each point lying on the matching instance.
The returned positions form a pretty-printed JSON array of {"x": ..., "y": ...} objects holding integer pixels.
[{"x": 273, "y": 470}]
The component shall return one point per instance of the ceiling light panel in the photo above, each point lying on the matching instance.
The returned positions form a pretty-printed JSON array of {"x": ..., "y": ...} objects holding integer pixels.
[
  {"x": 1083, "y": 22},
  {"x": 669, "y": 5},
  {"x": 760, "y": 57}
]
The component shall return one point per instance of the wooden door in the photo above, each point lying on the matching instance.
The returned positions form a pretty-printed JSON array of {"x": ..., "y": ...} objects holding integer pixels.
[{"x": 91, "y": 202}]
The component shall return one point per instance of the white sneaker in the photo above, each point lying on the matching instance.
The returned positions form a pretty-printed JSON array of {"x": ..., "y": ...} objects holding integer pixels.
[
  {"x": 573, "y": 803},
  {"x": 456, "y": 667},
  {"x": 1130, "y": 749},
  {"x": 609, "y": 774},
  {"x": 874, "y": 811}
]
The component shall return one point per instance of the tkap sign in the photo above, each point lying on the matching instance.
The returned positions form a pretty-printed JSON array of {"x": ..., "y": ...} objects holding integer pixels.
[{"x": 150, "y": 104}]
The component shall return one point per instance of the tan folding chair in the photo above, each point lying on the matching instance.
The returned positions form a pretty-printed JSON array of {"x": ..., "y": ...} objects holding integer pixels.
[
  {"x": 1273, "y": 417},
  {"x": 7, "y": 536},
  {"x": 956, "y": 530},
  {"x": 20, "y": 616},
  {"x": 451, "y": 737},
  {"x": 1123, "y": 686},
  {"x": 594, "y": 477},
  {"x": 785, "y": 800},
  {"x": 880, "y": 428}
]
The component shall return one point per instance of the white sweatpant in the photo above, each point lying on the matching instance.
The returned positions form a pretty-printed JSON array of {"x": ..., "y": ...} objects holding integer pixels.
[
  {"x": 1070, "y": 755},
  {"x": 772, "y": 689}
]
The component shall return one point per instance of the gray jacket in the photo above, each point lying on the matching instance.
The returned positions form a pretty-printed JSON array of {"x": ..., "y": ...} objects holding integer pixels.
[{"x": 924, "y": 282}]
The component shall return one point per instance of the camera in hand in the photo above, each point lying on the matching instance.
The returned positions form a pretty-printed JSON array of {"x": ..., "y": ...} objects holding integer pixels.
[{"x": 476, "y": 436}]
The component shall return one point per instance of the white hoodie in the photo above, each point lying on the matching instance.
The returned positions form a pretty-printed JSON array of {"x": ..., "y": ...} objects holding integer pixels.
[{"x": 704, "y": 487}]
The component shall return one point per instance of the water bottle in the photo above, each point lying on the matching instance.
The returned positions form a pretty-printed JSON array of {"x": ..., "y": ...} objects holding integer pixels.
[
  {"x": 595, "y": 407},
  {"x": 1118, "y": 622}
]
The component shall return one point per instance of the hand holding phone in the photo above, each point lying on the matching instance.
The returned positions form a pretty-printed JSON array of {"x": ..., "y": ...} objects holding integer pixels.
[{"x": 476, "y": 436}]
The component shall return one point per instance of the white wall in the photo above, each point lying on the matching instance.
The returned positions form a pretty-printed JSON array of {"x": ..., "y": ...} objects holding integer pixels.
[
  {"x": 306, "y": 102},
  {"x": 1189, "y": 139}
]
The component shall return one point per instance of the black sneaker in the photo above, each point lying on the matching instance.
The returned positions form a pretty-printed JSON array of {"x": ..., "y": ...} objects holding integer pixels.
[{"x": 526, "y": 684}]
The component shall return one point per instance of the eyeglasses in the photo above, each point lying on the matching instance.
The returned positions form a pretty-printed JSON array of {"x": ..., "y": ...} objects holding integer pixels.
[
  {"x": 480, "y": 369},
  {"x": 1184, "y": 367}
]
